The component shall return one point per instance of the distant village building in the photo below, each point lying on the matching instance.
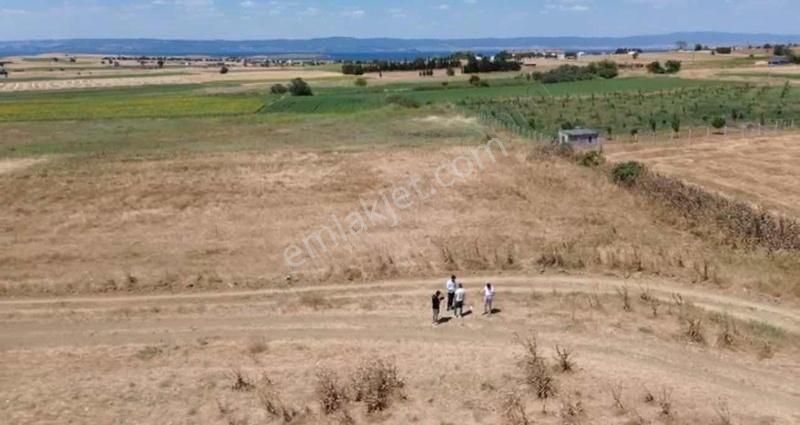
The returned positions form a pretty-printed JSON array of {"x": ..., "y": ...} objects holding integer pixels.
[
  {"x": 579, "y": 137},
  {"x": 779, "y": 60}
]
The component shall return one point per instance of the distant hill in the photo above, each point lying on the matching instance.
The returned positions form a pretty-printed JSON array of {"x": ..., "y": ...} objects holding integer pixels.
[{"x": 346, "y": 46}]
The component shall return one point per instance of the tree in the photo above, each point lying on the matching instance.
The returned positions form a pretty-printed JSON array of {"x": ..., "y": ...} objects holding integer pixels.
[
  {"x": 781, "y": 50},
  {"x": 160, "y": 63},
  {"x": 475, "y": 80},
  {"x": 604, "y": 69},
  {"x": 681, "y": 45},
  {"x": 298, "y": 87},
  {"x": 450, "y": 71},
  {"x": 676, "y": 123},
  {"x": 223, "y": 70},
  {"x": 278, "y": 89},
  {"x": 718, "y": 122},
  {"x": 698, "y": 47},
  {"x": 655, "y": 68},
  {"x": 672, "y": 66}
]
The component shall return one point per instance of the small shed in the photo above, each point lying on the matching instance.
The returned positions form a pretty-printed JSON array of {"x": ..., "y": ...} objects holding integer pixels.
[{"x": 580, "y": 137}]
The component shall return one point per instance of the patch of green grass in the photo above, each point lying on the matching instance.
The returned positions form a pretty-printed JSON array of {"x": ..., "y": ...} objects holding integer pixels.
[
  {"x": 776, "y": 76},
  {"x": 383, "y": 127}
]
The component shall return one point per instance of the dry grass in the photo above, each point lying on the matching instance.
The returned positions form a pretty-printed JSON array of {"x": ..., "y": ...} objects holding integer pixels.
[
  {"x": 376, "y": 383},
  {"x": 189, "y": 223},
  {"x": 564, "y": 359},
  {"x": 513, "y": 412},
  {"x": 536, "y": 372}
]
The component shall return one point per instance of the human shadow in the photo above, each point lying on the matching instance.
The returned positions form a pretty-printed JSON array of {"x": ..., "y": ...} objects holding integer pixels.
[
  {"x": 466, "y": 313},
  {"x": 443, "y": 320}
]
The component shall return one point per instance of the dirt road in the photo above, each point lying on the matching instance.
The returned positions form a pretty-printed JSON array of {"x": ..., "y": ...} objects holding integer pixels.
[{"x": 139, "y": 359}]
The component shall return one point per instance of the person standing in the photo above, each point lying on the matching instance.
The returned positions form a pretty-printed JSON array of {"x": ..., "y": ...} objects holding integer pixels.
[
  {"x": 450, "y": 287},
  {"x": 459, "y": 297},
  {"x": 488, "y": 297},
  {"x": 436, "y": 299}
]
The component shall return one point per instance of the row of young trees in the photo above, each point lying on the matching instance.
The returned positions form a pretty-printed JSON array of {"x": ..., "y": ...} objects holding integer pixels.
[
  {"x": 419, "y": 64},
  {"x": 475, "y": 64},
  {"x": 669, "y": 67},
  {"x": 605, "y": 69}
]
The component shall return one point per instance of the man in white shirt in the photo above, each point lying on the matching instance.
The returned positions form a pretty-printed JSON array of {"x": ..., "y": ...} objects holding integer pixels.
[
  {"x": 450, "y": 287},
  {"x": 488, "y": 297},
  {"x": 460, "y": 296}
]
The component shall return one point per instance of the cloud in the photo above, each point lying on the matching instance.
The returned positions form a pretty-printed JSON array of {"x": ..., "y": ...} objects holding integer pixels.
[
  {"x": 12, "y": 12},
  {"x": 568, "y": 5},
  {"x": 443, "y": 6},
  {"x": 397, "y": 13},
  {"x": 358, "y": 13},
  {"x": 248, "y": 4}
]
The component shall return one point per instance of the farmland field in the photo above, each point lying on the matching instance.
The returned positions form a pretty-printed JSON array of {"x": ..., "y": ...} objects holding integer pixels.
[
  {"x": 188, "y": 254},
  {"x": 760, "y": 170}
]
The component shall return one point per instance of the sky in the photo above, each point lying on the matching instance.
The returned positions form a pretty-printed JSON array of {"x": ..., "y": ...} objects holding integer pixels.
[{"x": 268, "y": 19}]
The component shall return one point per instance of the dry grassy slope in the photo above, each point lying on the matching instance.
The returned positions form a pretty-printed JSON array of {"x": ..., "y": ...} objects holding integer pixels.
[{"x": 223, "y": 220}]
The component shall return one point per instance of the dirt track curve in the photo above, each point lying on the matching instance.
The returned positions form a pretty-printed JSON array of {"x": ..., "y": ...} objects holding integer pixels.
[{"x": 393, "y": 316}]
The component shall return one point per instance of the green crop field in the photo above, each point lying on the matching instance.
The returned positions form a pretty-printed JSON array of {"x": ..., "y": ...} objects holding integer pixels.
[
  {"x": 151, "y": 101},
  {"x": 628, "y": 112}
]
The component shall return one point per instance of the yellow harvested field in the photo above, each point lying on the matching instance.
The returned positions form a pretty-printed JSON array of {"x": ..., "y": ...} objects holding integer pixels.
[{"x": 761, "y": 170}]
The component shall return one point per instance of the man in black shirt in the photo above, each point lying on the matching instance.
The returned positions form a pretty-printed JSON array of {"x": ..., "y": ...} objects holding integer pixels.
[{"x": 436, "y": 299}]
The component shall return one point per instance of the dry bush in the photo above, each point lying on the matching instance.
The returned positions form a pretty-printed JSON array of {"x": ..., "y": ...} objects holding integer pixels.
[
  {"x": 648, "y": 396},
  {"x": 571, "y": 411},
  {"x": 376, "y": 382},
  {"x": 745, "y": 225},
  {"x": 723, "y": 413},
  {"x": 514, "y": 410},
  {"x": 150, "y": 352},
  {"x": 537, "y": 373},
  {"x": 272, "y": 403},
  {"x": 616, "y": 395},
  {"x": 728, "y": 334},
  {"x": 694, "y": 330},
  {"x": 665, "y": 402},
  {"x": 241, "y": 382},
  {"x": 654, "y": 305},
  {"x": 331, "y": 394},
  {"x": 624, "y": 296},
  {"x": 766, "y": 351},
  {"x": 564, "y": 360}
]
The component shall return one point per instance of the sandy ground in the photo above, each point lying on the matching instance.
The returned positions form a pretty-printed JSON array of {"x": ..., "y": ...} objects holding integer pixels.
[
  {"x": 148, "y": 358},
  {"x": 761, "y": 170}
]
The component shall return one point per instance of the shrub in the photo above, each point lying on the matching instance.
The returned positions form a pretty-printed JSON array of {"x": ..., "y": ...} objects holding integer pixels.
[
  {"x": 627, "y": 172},
  {"x": 591, "y": 159},
  {"x": 375, "y": 383},
  {"x": 330, "y": 393},
  {"x": 564, "y": 359},
  {"x": 360, "y": 82},
  {"x": 223, "y": 70},
  {"x": 537, "y": 374},
  {"x": 298, "y": 87},
  {"x": 475, "y": 80},
  {"x": 718, "y": 122},
  {"x": 451, "y": 72},
  {"x": 278, "y": 89},
  {"x": 400, "y": 100}
]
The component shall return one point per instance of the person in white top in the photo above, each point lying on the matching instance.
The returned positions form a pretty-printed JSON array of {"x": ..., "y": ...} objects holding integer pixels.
[
  {"x": 450, "y": 287},
  {"x": 488, "y": 297},
  {"x": 460, "y": 297}
]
